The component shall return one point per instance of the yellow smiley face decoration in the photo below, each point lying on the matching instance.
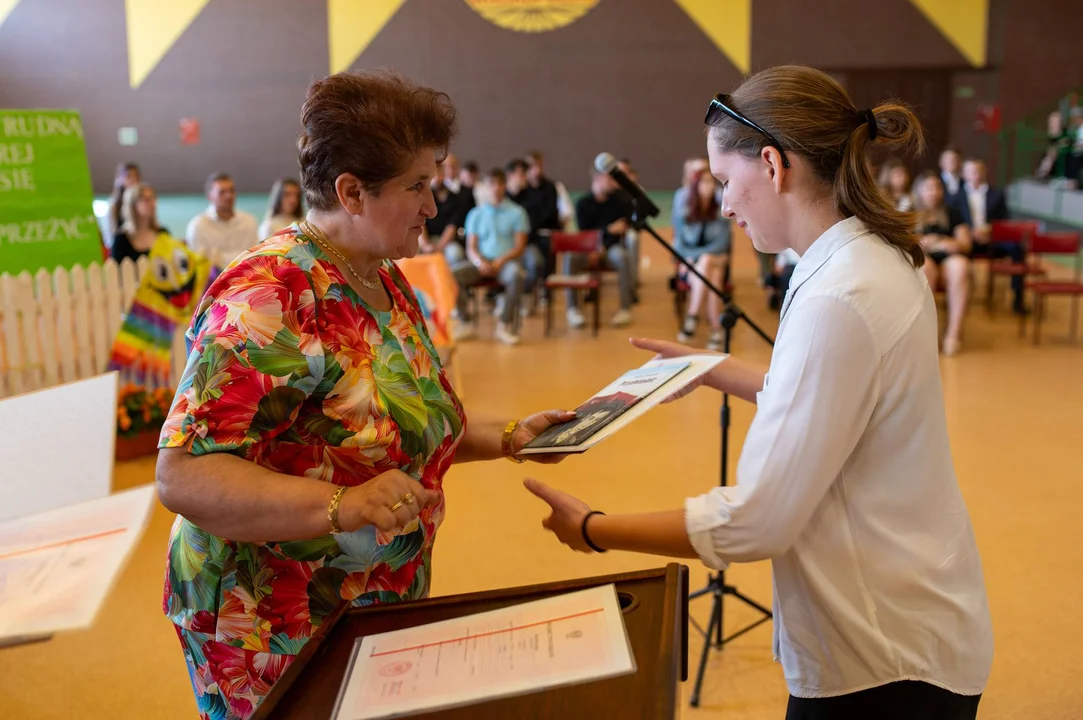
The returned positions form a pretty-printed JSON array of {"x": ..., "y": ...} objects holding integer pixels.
[
  {"x": 531, "y": 15},
  {"x": 175, "y": 279},
  {"x": 170, "y": 289}
]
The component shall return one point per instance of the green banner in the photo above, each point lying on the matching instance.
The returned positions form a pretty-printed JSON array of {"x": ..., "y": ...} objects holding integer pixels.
[{"x": 46, "y": 201}]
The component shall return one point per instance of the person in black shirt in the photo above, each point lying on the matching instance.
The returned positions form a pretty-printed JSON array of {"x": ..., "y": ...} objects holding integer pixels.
[
  {"x": 441, "y": 232},
  {"x": 540, "y": 207},
  {"x": 605, "y": 209},
  {"x": 946, "y": 240}
]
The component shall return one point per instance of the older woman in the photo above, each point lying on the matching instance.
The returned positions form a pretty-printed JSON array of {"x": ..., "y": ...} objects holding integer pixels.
[{"x": 308, "y": 441}]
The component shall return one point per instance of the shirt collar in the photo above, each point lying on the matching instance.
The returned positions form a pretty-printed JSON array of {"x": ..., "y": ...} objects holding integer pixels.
[
  {"x": 212, "y": 213},
  {"x": 980, "y": 190},
  {"x": 834, "y": 238}
]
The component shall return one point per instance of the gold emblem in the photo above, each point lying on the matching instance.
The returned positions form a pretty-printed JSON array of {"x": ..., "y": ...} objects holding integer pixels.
[{"x": 532, "y": 15}]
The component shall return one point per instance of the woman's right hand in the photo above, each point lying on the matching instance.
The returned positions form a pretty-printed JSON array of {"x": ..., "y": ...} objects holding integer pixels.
[
  {"x": 667, "y": 349},
  {"x": 370, "y": 503}
]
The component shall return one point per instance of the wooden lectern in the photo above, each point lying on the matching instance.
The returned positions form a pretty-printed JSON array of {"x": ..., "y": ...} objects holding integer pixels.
[{"x": 655, "y": 606}]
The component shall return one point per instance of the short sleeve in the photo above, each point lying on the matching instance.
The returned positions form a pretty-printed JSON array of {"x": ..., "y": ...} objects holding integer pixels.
[
  {"x": 252, "y": 363},
  {"x": 584, "y": 213},
  {"x": 470, "y": 226},
  {"x": 522, "y": 220}
]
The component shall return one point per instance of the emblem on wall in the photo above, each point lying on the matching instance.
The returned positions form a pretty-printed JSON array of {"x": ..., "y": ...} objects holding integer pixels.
[{"x": 532, "y": 15}]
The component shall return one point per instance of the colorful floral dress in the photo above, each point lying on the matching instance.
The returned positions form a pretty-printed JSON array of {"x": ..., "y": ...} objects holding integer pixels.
[{"x": 290, "y": 369}]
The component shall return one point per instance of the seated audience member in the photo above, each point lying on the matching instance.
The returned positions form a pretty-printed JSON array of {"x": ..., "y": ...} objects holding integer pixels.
[
  {"x": 540, "y": 204},
  {"x": 284, "y": 208},
  {"x": 895, "y": 181},
  {"x": 538, "y": 178},
  {"x": 979, "y": 205},
  {"x": 701, "y": 235},
  {"x": 222, "y": 232},
  {"x": 606, "y": 210},
  {"x": 468, "y": 187},
  {"x": 139, "y": 226},
  {"x": 496, "y": 241},
  {"x": 441, "y": 233},
  {"x": 951, "y": 164},
  {"x": 945, "y": 238},
  {"x": 785, "y": 264},
  {"x": 631, "y": 236},
  {"x": 127, "y": 175}
]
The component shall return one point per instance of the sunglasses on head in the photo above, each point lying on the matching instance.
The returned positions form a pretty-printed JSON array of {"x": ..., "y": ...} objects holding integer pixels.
[{"x": 719, "y": 108}]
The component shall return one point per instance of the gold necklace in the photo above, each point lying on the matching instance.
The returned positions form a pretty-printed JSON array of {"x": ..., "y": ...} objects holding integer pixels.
[{"x": 321, "y": 239}]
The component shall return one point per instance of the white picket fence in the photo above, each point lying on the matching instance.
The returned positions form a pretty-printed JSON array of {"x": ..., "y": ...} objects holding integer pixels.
[{"x": 59, "y": 327}]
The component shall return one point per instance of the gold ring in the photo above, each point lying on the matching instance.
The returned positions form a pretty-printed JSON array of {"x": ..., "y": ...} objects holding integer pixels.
[{"x": 406, "y": 500}]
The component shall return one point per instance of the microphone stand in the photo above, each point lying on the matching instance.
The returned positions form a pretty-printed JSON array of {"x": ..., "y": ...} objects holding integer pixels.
[{"x": 716, "y": 586}]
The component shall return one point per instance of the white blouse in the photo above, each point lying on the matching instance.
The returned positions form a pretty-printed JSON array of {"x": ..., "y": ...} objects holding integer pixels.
[{"x": 846, "y": 483}]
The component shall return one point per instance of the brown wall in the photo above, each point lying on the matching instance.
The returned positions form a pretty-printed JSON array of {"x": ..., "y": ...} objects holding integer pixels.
[
  {"x": 631, "y": 77},
  {"x": 1043, "y": 54}
]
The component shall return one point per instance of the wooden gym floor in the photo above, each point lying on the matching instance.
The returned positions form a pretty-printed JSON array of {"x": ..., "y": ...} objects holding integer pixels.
[{"x": 1014, "y": 412}]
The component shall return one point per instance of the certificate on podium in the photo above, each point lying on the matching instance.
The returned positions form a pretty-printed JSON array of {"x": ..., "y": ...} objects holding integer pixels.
[{"x": 562, "y": 640}]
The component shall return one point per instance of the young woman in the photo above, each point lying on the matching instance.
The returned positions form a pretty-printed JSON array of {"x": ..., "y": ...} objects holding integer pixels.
[
  {"x": 945, "y": 237},
  {"x": 139, "y": 226},
  {"x": 284, "y": 208},
  {"x": 895, "y": 180},
  {"x": 845, "y": 481},
  {"x": 702, "y": 236}
]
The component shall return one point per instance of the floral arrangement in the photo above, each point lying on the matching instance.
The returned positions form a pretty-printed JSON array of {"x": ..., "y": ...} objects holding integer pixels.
[{"x": 141, "y": 410}]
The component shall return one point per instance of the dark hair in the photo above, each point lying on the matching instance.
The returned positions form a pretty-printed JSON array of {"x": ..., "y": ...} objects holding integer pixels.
[
  {"x": 116, "y": 215},
  {"x": 696, "y": 211},
  {"x": 889, "y": 166},
  {"x": 951, "y": 149},
  {"x": 535, "y": 155},
  {"x": 122, "y": 171},
  {"x": 278, "y": 190},
  {"x": 516, "y": 165},
  {"x": 371, "y": 125},
  {"x": 812, "y": 116},
  {"x": 215, "y": 178},
  {"x": 471, "y": 167},
  {"x": 496, "y": 174}
]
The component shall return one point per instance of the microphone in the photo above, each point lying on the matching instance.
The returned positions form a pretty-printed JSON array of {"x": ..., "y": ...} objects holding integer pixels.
[{"x": 606, "y": 163}]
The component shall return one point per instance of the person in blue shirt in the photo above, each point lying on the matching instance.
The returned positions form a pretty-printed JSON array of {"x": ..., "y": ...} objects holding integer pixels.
[
  {"x": 496, "y": 241},
  {"x": 702, "y": 236}
]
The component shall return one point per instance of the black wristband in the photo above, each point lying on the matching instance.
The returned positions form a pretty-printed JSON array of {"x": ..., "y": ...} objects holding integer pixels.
[{"x": 583, "y": 531}]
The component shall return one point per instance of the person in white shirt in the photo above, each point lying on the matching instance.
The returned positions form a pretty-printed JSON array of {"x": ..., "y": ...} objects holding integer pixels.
[
  {"x": 222, "y": 232},
  {"x": 951, "y": 164},
  {"x": 845, "y": 481},
  {"x": 284, "y": 207}
]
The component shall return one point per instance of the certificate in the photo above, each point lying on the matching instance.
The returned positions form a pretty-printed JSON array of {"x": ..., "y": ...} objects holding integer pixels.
[{"x": 562, "y": 640}]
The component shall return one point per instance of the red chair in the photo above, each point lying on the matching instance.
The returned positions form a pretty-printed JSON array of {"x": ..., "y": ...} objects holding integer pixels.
[
  {"x": 1010, "y": 231},
  {"x": 583, "y": 243},
  {"x": 1055, "y": 243}
]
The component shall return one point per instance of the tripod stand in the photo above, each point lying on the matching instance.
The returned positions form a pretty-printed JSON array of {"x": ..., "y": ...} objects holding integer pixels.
[{"x": 716, "y": 586}]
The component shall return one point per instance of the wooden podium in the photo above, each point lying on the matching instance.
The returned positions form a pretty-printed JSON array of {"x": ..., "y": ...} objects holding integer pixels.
[{"x": 655, "y": 606}]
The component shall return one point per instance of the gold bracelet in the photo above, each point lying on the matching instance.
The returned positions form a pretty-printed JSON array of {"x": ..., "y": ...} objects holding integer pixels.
[
  {"x": 505, "y": 442},
  {"x": 332, "y": 510}
]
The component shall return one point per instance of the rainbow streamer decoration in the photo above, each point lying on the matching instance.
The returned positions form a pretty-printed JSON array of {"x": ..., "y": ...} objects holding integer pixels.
[{"x": 169, "y": 291}]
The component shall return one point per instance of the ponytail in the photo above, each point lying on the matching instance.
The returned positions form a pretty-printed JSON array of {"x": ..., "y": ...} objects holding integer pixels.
[
  {"x": 810, "y": 115},
  {"x": 857, "y": 192}
]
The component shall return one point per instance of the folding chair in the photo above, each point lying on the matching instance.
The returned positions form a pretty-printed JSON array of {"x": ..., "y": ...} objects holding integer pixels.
[
  {"x": 585, "y": 242},
  {"x": 1055, "y": 243}
]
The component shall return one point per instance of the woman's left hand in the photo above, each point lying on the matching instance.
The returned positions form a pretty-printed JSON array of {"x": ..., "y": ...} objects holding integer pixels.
[
  {"x": 566, "y": 519},
  {"x": 533, "y": 426}
]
